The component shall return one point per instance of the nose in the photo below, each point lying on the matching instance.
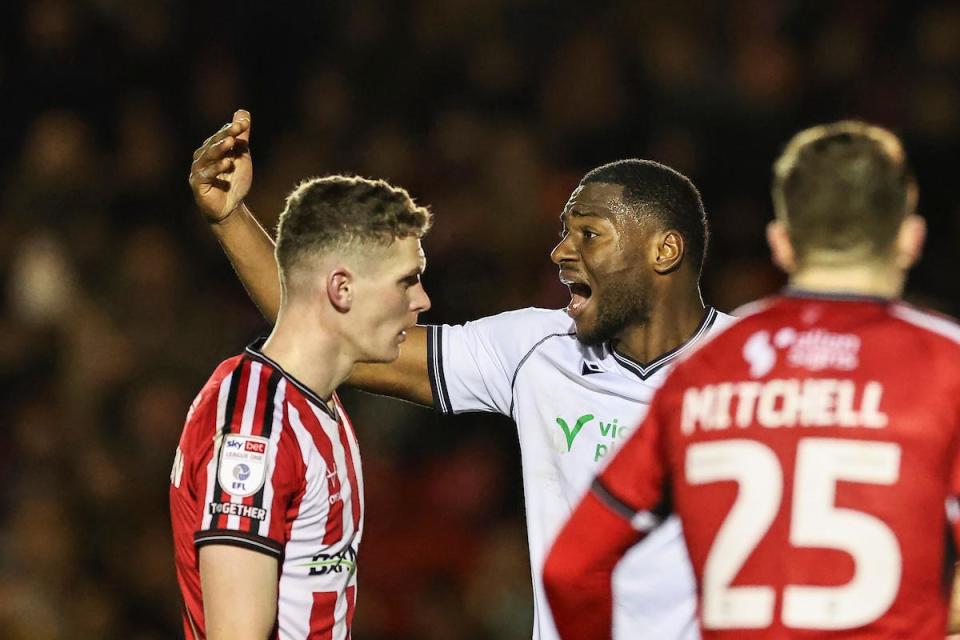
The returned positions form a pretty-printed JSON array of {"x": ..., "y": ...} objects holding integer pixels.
[
  {"x": 420, "y": 301},
  {"x": 563, "y": 252}
]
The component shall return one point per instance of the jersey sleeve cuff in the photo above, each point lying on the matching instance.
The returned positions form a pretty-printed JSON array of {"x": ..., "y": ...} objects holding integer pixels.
[
  {"x": 238, "y": 539},
  {"x": 641, "y": 521},
  {"x": 438, "y": 384}
]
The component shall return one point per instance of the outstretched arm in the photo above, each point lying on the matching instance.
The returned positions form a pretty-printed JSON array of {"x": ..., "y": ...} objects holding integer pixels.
[
  {"x": 220, "y": 178},
  {"x": 406, "y": 378}
]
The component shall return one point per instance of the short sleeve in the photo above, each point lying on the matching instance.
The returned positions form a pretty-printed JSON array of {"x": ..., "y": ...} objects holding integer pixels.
[
  {"x": 473, "y": 366},
  {"x": 253, "y": 474}
]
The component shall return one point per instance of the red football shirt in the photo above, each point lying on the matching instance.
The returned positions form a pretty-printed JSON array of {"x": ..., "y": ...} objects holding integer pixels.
[
  {"x": 265, "y": 464},
  {"x": 811, "y": 451}
]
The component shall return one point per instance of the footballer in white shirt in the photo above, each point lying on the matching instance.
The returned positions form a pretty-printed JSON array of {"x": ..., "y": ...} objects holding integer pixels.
[{"x": 575, "y": 381}]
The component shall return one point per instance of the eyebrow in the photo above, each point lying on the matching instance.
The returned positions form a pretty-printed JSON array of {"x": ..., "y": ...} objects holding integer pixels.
[
  {"x": 418, "y": 271},
  {"x": 579, "y": 213}
]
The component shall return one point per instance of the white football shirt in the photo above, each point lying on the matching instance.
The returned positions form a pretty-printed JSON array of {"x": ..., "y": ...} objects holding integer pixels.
[{"x": 573, "y": 406}]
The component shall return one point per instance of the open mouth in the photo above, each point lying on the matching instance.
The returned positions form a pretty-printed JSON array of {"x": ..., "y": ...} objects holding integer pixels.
[{"x": 580, "y": 294}]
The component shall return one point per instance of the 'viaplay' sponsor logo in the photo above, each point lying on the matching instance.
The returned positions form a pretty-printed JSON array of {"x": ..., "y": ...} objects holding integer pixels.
[{"x": 610, "y": 432}]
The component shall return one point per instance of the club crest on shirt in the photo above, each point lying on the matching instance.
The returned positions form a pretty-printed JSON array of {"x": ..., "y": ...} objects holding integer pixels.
[{"x": 243, "y": 464}]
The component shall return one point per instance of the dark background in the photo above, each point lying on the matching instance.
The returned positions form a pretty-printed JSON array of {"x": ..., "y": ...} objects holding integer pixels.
[{"x": 117, "y": 303}]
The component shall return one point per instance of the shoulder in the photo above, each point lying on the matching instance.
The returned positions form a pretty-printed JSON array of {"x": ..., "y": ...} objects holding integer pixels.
[
  {"x": 531, "y": 319},
  {"x": 516, "y": 330},
  {"x": 722, "y": 350},
  {"x": 935, "y": 327},
  {"x": 225, "y": 373},
  {"x": 753, "y": 308},
  {"x": 722, "y": 322}
]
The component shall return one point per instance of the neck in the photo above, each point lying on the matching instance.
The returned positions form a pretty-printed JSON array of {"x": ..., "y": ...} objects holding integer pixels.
[
  {"x": 672, "y": 321},
  {"x": 882, "y": 279},
  {"x": 308, "y": 351}
]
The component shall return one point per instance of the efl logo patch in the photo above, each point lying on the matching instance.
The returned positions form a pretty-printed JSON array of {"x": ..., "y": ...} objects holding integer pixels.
[{"x": 243, "y": 464}]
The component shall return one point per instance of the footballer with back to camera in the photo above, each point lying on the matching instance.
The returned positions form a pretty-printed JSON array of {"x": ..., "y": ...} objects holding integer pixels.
[
  {"x": 633, "y": 241},
  {"x": 813, "y": 449},
  {"x": 266, "y": 493}
]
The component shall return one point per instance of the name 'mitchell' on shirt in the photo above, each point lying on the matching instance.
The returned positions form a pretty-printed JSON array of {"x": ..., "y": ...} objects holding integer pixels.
[
  {"x": 811, "y": 452},
  {"x": 265, "y": 464}
]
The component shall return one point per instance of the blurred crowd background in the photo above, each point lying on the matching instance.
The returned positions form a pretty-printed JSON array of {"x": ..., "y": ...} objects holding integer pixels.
[{"x": 117, "y": 303}]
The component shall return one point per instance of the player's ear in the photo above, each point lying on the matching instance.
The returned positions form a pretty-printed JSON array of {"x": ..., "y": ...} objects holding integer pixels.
[
  {"x": 910, "y": 239},
  {"x": 668, "y": 252},
  {"x": 339, "y": 289},
  {"x": 781, "y": 249}
]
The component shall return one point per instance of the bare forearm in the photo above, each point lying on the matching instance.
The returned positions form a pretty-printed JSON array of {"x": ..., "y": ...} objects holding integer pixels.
[
  {"x": 406, "y": 378},
  {"x": 250, "y": 250}
]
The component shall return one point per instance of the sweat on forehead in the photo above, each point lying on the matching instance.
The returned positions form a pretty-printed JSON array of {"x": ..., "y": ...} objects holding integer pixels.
[
  {"x": 600, "y": 199},
  {"x": 654, "y": 189}
]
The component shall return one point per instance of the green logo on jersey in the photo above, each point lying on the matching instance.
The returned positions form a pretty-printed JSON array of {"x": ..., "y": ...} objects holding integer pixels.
[{"x": 569, "y": 433}]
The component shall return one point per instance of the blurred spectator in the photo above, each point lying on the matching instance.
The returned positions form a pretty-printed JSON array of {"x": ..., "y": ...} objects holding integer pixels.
[{"x": 117, "y": 302}]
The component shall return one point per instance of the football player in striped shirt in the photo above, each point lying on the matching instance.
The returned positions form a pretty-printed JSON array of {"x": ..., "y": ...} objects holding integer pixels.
[
  {"x": 812, "y": 451},
  {"x": 575, "y": 381},
  {"x": 266, "y": 493}
]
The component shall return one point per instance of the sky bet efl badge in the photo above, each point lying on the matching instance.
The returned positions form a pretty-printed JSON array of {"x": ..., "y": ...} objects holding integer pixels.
[{"x": 243, "y": 464}]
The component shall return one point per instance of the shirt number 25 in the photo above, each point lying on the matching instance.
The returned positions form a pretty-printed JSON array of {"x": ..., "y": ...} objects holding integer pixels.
[{"x": 815, "y": 522}]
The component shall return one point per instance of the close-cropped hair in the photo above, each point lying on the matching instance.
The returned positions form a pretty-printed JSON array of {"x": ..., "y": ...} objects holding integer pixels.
[
  {"x": 654, "y": 189},
  {"x": 842, "y": 188},
  {"x": 337, "y": 213}
]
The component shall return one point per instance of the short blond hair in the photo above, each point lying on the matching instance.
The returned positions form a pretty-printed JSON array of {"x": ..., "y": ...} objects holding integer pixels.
[
  {"x": 339, "y": 212},
  {"x": 842, "y": 188}
]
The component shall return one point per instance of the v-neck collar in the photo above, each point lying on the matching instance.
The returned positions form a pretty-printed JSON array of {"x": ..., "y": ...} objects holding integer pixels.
[
  {"x": 644, "y": 371},
  {"x": 254, "y": 352}
]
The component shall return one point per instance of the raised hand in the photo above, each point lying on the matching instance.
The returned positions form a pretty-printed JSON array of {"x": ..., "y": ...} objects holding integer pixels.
[{"x": 222, "y": 169}]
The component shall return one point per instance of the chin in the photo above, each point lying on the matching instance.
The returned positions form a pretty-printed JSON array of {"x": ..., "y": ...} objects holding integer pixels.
[
  {"x": 589, "y": 337},
  {"x": 387, "y": 355},
  {"x": 587, "y": 332}
]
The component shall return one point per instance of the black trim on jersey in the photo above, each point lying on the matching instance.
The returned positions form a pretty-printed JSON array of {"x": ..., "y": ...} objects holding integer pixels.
[
  {"x": 235, "y": 538},
  {"x": 529, "y": 353},
  {"x": 438, "y": 384},
  {"x": 269, "y": 413},
  {"x": 644, "y": 371},
  {"x": 616, "y": 505},
  {"x": 220, "y": 494},
  {"x": 254, "y": 353},
  {"x": 834, "y": 296}
]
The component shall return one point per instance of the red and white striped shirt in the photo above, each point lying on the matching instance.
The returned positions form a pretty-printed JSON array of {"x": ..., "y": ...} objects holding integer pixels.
[{"x": 265, "y": 464}]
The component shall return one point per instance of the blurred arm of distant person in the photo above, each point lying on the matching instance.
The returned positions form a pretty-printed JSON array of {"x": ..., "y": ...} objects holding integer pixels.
[
  {"x": 220, "y": 177},
  {"x": 239, "y": 589}
]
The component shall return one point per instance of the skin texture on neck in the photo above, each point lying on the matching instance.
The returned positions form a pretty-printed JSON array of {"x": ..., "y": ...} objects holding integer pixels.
[
  {"x": 676, "y": 311},
  {"x": 882, "y": 279},
  {"x": 308, "y": 351},
  {"x": 882, "y": 276}
]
